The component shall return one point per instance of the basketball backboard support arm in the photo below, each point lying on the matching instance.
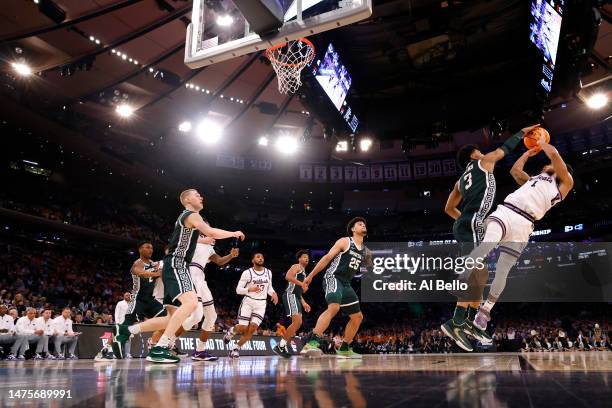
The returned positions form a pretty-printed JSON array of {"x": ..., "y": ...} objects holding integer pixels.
[{"x": 201, "y": 51}]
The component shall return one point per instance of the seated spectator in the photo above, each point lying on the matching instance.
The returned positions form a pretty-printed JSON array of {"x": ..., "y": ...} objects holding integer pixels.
[
  {"x": 7, "y": 329},
  {"x": 63, "y": 334},
  {"x": 44, "y": 323},
  {"x": 27, "y": 333}
]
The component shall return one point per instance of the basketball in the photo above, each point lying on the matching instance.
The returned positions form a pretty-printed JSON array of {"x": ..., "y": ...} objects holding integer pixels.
[{"x": 531, "y": 138}]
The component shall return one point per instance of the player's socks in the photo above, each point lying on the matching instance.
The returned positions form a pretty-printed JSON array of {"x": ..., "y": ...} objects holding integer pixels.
[
  {"x": 459, "y": 315},
  {"x": 135, "y": 329},
  {"x": 471, "y": 313},
  {"x": 164, "y": 341}
]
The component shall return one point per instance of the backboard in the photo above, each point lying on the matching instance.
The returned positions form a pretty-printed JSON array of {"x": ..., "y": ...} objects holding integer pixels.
[{"x": 218, "y": 30}]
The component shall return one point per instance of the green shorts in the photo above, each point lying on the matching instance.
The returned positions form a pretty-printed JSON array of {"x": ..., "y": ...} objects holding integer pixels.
[
  {"x": 143, "y": 307},
  {"x": 463, "y": 230},
  {"x": 337, "y": 291},
  {"x": 177, "y": 280},
  {"x": 292, "y": 303}
]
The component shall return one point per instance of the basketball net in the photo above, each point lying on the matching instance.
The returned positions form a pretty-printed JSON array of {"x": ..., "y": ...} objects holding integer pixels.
[{"x": 288, "y": 60}]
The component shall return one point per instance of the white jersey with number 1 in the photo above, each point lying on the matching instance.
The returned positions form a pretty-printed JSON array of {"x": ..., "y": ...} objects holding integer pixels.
[{"x": 536, "y": 196}]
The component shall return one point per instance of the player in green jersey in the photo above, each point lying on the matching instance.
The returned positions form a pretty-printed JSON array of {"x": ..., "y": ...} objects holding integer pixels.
[
  {"x": 293, "y": 301},
  {"x": 344, "y": 259},
  {"x": 475, "y": 192},
  {"x": 180, "y": 298}
]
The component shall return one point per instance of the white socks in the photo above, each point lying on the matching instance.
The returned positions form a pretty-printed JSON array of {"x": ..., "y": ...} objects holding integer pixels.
[
  {"x": 135, "y": 329},
  {"x": 488, "y": 305},
  {"x": 200, "y": 345},
  {"x": 165, "y": 341}
]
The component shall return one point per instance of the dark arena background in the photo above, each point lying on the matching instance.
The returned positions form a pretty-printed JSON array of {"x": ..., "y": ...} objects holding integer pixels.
[{"x": 290, "y": 119}]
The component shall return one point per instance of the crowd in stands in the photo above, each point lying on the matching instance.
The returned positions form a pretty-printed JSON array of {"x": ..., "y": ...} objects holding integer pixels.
[{"x": 40, "y": 278}]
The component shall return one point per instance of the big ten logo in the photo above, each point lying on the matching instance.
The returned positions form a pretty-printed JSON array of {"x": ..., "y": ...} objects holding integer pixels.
[{"x": 577, "y": 227}]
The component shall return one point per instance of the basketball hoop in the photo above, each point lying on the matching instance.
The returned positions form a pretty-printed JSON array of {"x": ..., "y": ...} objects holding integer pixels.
[{"x": 288, "y": 60}]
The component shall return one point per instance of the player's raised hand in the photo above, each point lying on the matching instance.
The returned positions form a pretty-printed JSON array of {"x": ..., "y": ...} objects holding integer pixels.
[
  {"x": 239, "y": 235},
  {"x": 274, "y": 297},
  {"x": 532, "y": 152},
  {"x": 530, "y": 128},
  {"x": 234, "y": 252},
  {"x": 542, "y": 140}
]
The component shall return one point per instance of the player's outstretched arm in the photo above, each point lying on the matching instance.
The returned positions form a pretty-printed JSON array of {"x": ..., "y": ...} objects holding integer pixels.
[
  {"x": 517, "y": 172},
  {"x": 224, "y": 260},
  {"x": 195, "y": 221},
  {"x": 341, "y": 245},
  {"x": 453, "y": 201},
  {"x": 138, "y": 270},
  {"x": 491, "y": 158},
  {"x": 566, "y": 180}
]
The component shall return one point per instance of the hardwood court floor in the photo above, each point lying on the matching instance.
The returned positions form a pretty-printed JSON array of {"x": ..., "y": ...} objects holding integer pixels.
[{"x": 434, "y": 380}]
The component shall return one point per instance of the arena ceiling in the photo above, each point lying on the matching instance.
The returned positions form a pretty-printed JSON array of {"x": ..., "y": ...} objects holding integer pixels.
[{"x": 132, "y": 50}]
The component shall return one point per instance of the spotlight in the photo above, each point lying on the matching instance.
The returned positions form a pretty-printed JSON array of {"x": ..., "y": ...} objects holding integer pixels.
[
  {"x": 124, "y": 110},
  {"x": 185, "y": 126},
  {"x": 365, "y": 144},
  {"x": 286, "y": 144},
  {"x": 22, "y": 69},
  {"x": 263, "y": 141},
  {"x": 342, "y": 146},
  {"x": 597, "y": 100},
  {"x": 225, "y": 20},
  {"x": 209, "y": 132}
]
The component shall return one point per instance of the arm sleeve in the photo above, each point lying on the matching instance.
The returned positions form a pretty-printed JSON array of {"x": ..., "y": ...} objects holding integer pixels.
[
  {"x": 270, "y": 287},
  {"x": 241, "y": 288},
  {"x": 513, "y": 141}
]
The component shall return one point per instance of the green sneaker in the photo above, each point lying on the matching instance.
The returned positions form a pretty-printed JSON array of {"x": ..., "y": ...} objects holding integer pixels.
[
  {"x": 477, "y": 333},
  {"x": 311, "y": 349},
  {"x": 455, "y": 332},
  {"x": 347, "y": 353},
  {"x": 281, "y": 351},
  {"x": 121, "y": 334},
  {"x": 159, "y": 354}
]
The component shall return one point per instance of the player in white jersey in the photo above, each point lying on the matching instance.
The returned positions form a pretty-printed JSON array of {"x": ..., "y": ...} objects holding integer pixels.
[
  {"x": 204, "y": 253},
  {"x": 255, "y": 285},
  {"x": 511, "y": 224}
]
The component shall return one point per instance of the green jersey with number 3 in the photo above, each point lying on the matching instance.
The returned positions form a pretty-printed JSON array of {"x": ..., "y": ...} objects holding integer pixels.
[
  {"x": 346, "y": 264},
  {"x": 477, "y": 187}
]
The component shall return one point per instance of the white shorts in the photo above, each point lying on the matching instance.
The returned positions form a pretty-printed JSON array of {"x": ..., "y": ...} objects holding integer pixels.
[
  {"x": 251, "y": 311},
  {"x": 158, "y": 290},
  {"x": 516, "y": 228},
  {"x": 201, "y": 287}
]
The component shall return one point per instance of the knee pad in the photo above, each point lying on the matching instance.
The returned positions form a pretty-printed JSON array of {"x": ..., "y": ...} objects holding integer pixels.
[
  {"x": 194, "y": 318},
  {"x": 210, "y": 317}
]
